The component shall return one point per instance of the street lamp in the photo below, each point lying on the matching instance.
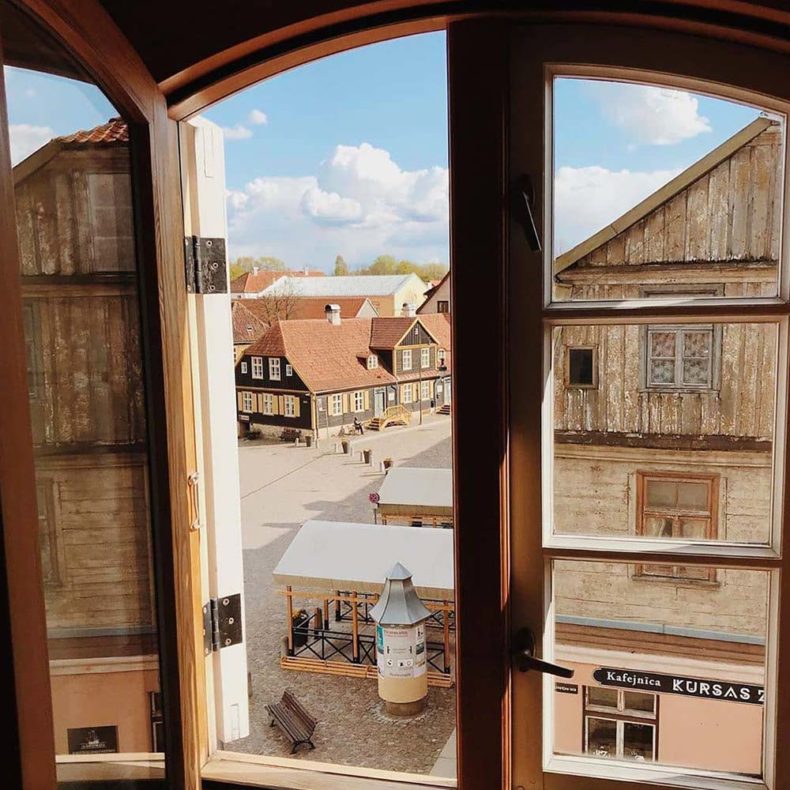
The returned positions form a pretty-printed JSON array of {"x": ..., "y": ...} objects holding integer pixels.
[{"x": 419, "y": 370}]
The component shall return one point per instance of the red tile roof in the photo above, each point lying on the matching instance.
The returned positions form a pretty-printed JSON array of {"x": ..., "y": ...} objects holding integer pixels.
[
  {"x": 114, "y": 131},
  {"x": 323, "y": 355},
  {"x": 248, "y": 324},
  {"x": 386, "y": 332},
  {"x": 255, "y": 282},
  {"x": 329, "y": 358}
]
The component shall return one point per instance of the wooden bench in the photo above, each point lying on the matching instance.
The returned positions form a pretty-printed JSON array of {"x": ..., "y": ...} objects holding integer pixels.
[{"x": 297, "y": 724}]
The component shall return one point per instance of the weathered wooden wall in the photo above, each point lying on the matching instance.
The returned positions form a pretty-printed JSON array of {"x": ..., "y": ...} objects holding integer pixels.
[
  {"x": 740, "y": 405},
  {"x": 731, "y": 213},
  {"x": 101, "y": 522},
  {"x": 74, "y": 214}
]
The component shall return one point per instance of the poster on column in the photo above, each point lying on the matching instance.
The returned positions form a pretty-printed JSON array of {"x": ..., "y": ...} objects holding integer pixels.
[{"x": 400, "y": 651}]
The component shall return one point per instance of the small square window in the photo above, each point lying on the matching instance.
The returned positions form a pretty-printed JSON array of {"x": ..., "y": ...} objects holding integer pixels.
[
  {"x": 289, "y": 371},
  {"x": 580, "y": 367},
  {"x": 243, "y": 367}
]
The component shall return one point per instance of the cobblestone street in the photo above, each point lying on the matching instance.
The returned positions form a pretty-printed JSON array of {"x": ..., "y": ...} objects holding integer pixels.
[{"x": 281, "y": 487}]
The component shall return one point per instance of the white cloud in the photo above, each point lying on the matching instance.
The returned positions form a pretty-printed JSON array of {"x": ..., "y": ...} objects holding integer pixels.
[
  {"x": 588, "y": 198},
  {"x": 650, "y": 114},
  {"x": 237, "y": 132},
  {"x": 360, "y": 202},
  {"x": 25, "y": 139},
  {"x": 258, "y": 117}
]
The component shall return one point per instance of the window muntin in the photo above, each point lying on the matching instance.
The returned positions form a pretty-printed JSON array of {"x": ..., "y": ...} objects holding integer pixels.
[
  {"x": 268, "y": 403},
  {"x": 289, "y": 371},
  {"x": 373, "y": 362},
  {"x": 243, "y": 367},
  {"x": 359, "y": 401},
  {"x": 406, "y": 359},
  {"x": 290, "y": 406},
  {"x": 246, "y": 401},
  {"x": 274, "y": 368},
  {"x": 257, "y": 367},
  {"x": 441, "y": 358},
  {"x": 425, "y": 390},
  {"x": 407, "y": 394},
  {"x": 425, "y": 357},
  {"x": 336, "y": 405},
  {"x": 680, "y": 357},
  {"x": 442, "y": 306}
]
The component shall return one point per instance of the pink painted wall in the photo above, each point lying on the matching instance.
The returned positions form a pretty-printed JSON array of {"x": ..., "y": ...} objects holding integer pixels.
[
  {"x": 105, "y": 699},
  {"x": 696, "y": 733}
]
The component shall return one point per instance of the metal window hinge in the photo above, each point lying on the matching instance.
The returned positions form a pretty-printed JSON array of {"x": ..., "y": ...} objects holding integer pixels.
[
  {"x": 205, "y": 265},
  {"x": 222, "y": 623}
]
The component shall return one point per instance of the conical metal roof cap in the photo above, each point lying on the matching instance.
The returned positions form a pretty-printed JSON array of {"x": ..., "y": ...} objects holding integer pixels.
[{"x": 399, "y": 603}]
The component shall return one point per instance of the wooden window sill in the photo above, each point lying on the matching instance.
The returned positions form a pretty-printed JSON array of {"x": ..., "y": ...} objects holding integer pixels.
[{"x": 290, "y": 774}]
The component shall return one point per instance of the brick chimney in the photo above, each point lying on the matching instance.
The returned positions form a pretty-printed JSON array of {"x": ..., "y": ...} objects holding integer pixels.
[{"x": 332, "y": 313}]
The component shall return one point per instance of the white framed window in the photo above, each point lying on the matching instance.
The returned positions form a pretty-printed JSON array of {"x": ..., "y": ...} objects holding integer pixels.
[
  {"x": 359, "y": 401},
  {"x": 620, "y": 724},
  {"x": 268, "y": 403},
  {"x": 243, "y": 367},
  {"x": 407, "y": 394},
  {"x": 257, "y": 367},
  {"x": 274, "y": 368},
  {"x": 373, "y": 362},
  {"x": 425, "y": 390},
  {"x": 425, "y": 357},
  {"x": 406, "y": 363},
  {"x": 680, "y": 357},
  {"x": 289, "y": 371},
  {"x": 290, "y": 406},
  {"x": 441, "y": 357},
  {"x": 336, "y": 405},
  {"x": 246, "y": 401}
]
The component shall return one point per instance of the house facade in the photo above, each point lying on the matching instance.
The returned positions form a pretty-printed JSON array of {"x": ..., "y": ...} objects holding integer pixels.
[
  {"x": 666, "y": 431},
  {"x": 251, "y": 285},
  {"x": 318, "y": 375},
  {"x": 438, "y": 298}
]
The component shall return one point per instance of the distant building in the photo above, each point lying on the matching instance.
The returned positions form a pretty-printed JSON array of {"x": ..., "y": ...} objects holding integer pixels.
[
  {"x": 251, "y": 285},
  {"x": 387, "y": 293},
  {"x": 252, "y": 317},
  {"x": 437, "y": 299},
  {"x": 321, "y": 374}
]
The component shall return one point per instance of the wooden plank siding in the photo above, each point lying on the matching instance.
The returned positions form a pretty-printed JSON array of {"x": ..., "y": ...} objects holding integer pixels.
[{"x": 740, "y": 404}]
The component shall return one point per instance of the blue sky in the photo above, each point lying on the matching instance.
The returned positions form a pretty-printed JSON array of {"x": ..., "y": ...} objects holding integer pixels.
[{"x": 348, "y": 155}]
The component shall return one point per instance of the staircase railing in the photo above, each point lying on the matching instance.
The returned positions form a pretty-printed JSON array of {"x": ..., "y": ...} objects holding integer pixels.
[{"x": 395, "y": 413}]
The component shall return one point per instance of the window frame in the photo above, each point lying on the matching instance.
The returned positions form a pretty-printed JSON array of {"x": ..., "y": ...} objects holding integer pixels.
[
  {"x": 256, "y": 368},
  {"x": 442, "y": 306},
  {"x": 406, "y": 354},
  {"x": 567, "y": 372},
  {"x": 359, "y": 401},
  {"x": 243, "y": 367},
  {"x": 679, "y": 330},
  {"x": 275, "y": 369},
  {"x": 336, "y": 408},
  {"x": 289, "y": 371},
  {"x": 268, "y": 404},
  {"x": 289, "y": 406},
  {"x": 247, "y": 397},
  {"x": 425, "y": 358}
]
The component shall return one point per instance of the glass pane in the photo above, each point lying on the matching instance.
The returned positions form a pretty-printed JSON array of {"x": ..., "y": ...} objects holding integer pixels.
[
  {"x": 690, "y": 658},
  {"x": 668, "y": 194},
  {"x": 638, "y": 741},
  {"x": 602, "y": 698},
  {"x": 634, "y": 700},
  {"x": 601, "y": 737},
  {"x": 633, "y": 460},
  {"x": 81, "y": 306},
  {"x": 662, "y": 344}
]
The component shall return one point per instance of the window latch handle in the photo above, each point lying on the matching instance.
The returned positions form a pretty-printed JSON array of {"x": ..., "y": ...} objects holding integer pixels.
[
  {"x": 523, "y": 201},
  {"x": 524, "y": 656}
]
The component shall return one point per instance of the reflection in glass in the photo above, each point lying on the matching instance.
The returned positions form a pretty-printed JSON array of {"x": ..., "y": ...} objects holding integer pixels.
[
  {"x": 677, "y": 461},
  {"x": 81, "y": 309},
  {"x": 665, "y": 672},
  {"x": 642, "y": 205}
]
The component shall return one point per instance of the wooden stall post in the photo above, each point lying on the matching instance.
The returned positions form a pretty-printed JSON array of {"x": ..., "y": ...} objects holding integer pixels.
[
  {"x": 354, "y": 627},
  {"x": 289, "y": 606},
  {"x": 446, "y": 620}
]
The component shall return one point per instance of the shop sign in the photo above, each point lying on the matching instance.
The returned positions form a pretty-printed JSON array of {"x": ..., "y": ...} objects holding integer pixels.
[
  {"x": 566, "y": 688},
  {"x": 93, "y": 740},
  {"x": 400, "y": 652},
  {"x": 679, "y": 684},
  {"x": 244, "y": 418}
]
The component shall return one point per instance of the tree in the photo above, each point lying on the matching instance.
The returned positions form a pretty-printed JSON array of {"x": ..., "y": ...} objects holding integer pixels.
[
  {"x": 341, "y": 267},
  {"x": 279, "y": 305}
]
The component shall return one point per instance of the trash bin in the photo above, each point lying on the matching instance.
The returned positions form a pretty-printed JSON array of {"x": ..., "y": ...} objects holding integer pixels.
[
  {"x": 346, "y": 447},
  {"x": 367, "y": 455},
  {"x": 308, "y": 440}
]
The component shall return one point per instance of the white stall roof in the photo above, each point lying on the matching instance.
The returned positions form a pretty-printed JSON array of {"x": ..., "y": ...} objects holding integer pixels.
[
  {"x": 336, "y": 555},
  {"x": 405, "y": 485}
]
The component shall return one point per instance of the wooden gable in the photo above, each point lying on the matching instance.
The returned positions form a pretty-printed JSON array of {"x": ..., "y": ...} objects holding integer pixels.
[{"x": 724, "y": 208}]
